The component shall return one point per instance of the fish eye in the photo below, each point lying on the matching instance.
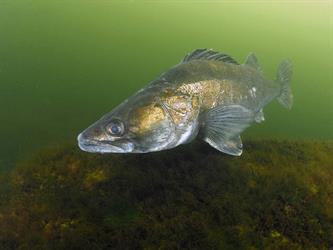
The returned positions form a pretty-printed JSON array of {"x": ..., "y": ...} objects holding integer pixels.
[{"x": 115, "y": 127}]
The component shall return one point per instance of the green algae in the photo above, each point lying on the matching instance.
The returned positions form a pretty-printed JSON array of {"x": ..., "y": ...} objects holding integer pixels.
[{"x": 278, "y": 194}]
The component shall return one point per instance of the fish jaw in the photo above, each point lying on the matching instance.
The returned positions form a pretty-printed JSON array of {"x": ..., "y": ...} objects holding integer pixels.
[{"x": 95, "y": 146}]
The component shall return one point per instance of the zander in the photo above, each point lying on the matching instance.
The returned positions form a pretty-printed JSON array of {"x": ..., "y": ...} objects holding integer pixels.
[{"x": 208, "y": 95}]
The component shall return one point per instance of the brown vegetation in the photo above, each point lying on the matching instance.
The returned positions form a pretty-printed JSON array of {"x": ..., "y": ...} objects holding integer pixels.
[{"x": 278, "y": 194}]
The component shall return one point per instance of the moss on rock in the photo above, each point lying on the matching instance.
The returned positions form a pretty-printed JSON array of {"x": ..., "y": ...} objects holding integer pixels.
[{"x": 278, "y": 194}]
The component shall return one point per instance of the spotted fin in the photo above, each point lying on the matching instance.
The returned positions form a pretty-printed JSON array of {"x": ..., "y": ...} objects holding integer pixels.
[
  {"x": 222, "y": 127},
  {"x": 208, "y": 54},
  {"x": 252, "y": 61}
]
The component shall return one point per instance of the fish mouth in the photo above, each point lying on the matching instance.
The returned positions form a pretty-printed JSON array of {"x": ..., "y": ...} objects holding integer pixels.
[{"x": 95, "y": 146}]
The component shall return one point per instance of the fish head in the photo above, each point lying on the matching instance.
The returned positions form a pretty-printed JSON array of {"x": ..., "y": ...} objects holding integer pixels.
[{"x": 138, "y": 125}]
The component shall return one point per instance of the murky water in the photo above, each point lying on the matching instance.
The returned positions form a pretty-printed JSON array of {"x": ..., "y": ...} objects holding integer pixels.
[{"x": 65, "y": 63}]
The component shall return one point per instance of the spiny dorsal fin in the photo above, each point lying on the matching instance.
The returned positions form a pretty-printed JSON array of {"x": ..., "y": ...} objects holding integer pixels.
[
  {"x": 208, "y": 54},
  {"x": 252, "y": 61}
]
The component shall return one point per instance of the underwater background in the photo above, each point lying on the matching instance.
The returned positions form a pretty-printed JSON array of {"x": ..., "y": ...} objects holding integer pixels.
[{"x": 64, "y": 64}]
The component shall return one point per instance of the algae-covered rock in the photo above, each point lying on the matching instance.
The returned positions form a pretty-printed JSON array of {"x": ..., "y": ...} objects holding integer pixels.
[{"x": 277, "y": 195}]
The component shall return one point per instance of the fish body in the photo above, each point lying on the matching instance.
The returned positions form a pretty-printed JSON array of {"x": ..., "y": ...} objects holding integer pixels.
[{"x": 208, "y": 95}]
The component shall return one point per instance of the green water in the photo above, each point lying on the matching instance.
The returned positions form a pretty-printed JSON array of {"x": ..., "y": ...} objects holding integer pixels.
[{"x": 65, "y": 63}]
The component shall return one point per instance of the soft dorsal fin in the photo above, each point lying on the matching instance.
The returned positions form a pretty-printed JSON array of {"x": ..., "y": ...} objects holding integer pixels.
[
  {"x": 252, "y": 61},
  {"x": 208, "y": 54}
]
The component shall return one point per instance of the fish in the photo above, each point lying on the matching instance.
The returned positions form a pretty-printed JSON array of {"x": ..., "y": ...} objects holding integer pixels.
[{"x": 208, "y": 95}]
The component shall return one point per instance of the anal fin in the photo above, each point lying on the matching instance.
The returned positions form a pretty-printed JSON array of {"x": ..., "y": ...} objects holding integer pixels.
[{"x": 259, "y": 116}]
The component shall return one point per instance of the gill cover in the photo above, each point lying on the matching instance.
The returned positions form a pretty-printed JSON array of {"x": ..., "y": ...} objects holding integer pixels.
[{"x": 151, "y": 120}]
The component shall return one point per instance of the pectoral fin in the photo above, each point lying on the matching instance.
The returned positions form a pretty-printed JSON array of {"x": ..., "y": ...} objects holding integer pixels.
[
  {"x": 232, "y": 146},
  {"x": 223, "y": 125}
]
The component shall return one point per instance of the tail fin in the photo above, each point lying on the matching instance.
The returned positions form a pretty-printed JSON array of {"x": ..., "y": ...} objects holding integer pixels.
[{"x": 283, "y": 78}]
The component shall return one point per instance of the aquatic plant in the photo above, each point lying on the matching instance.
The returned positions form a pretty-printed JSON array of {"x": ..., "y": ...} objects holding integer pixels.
[{"x": 277, "y": 195}]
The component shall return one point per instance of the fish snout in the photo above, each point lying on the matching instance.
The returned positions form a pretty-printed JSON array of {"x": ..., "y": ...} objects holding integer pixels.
[
  {"x": 86, "y": 143},
  {"x": 83, "y": 141}
]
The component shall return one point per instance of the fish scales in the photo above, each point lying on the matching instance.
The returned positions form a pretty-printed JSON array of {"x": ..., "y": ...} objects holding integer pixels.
[
  {"x": 208, "y": 95},
  {"x": 219, "y": 83}
]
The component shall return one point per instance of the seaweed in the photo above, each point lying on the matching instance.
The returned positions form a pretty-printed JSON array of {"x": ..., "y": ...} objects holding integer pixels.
[{"x": 278, "y": 194}]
